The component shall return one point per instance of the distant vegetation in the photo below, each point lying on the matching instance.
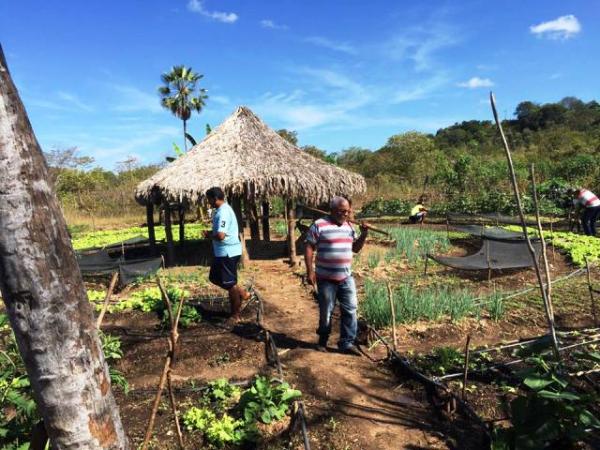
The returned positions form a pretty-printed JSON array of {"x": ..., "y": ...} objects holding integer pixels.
[{"x": 461, "y": 168}]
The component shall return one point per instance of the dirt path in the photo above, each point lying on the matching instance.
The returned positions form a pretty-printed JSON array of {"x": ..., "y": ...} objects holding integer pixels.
[{"x": 359, "y": 401}]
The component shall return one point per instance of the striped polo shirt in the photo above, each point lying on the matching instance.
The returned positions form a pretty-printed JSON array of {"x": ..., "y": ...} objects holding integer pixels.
[
  {"x": 587, "y": 199},
  {"x": 334, "y": 248}
]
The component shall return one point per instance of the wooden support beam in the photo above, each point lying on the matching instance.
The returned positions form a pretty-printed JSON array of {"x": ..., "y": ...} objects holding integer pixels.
[
  {"x": 265, "y": 222},
  {"x": 252, "y": 215},
  {"x": 291, "y": 219},
  {"x": 169, "y": 236},
  {"x": 181, "y": 211},
  {"x": 236, "y": 204},
  {"x": 150, "y": 224}
]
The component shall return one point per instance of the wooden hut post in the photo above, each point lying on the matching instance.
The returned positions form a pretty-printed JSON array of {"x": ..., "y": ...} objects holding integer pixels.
[
  {"x": 265, "y": 221},
  {"x": 253, "y": 219},
  {"x": 150, "y": 224},
  {"x": 181, "y": 211},
  {"x": 236, "y": 204},
  {"x": 291, "y": 218},
  {"x": 169, "y": 235}
]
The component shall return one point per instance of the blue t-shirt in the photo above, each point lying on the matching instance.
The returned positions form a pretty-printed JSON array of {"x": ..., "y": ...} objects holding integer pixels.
[{"x": 224, "y": 221}]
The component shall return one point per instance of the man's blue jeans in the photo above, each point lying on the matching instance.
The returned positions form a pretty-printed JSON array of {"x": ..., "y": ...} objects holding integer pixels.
[{"x": 345, "y": 293}]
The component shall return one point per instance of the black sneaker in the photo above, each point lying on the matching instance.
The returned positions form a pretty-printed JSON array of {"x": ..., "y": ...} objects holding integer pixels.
[{"x": 352, "y": 350}]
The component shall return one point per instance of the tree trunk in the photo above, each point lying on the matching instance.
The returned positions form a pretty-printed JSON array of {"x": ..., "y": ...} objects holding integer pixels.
[
  {"x": 265, "y": 222},
  {"x": 44, "y": 294},
  {"x": 184, "y": 133}
]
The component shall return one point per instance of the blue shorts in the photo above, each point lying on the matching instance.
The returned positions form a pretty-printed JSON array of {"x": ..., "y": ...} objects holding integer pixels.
[{"x": 223, "y": 271}]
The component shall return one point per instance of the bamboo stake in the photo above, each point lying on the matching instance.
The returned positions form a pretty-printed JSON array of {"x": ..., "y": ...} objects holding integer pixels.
[
  {"x": 543, "y": 241},
  {"x": 513, "y": 179},
  {"x": 591, "y": 289},
  {"x": 466, "y": 369},
  {"x": 370, "y": 227},
  {"x": 111, "y": 288},
  {"x": 552, "y": 241},
  {"x": 391, "y": 299},
  {"x": 166, "y": 373}
]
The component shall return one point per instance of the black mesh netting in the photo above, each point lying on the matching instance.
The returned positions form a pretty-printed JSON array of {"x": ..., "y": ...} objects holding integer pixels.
[
  {"x": 101, "y": 263},
  {"x": 493, "y": 254}
]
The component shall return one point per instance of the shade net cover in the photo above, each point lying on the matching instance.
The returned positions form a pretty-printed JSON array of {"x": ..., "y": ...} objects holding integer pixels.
[
  {"x": 101, "y": 263},
  {"x": 489, "y": 232},
  {"x": 493, "y": 254}
]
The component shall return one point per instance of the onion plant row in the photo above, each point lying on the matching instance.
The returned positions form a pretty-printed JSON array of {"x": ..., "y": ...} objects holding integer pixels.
[
  {"x": 414, "y": 243},
  {"x": 429, "y": 303}
]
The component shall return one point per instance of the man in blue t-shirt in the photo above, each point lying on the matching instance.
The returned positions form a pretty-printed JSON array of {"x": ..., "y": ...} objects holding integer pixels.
[{"x": 227, "y": 250}]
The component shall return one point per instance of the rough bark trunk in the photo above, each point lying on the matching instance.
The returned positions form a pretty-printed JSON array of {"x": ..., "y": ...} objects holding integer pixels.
[{"x": 44, "y": 294}]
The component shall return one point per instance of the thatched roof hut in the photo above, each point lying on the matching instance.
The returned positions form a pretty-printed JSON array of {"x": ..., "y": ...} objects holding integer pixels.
[
  {"x": 248, "y": 159},
  {"x": 251, "y": 163}
]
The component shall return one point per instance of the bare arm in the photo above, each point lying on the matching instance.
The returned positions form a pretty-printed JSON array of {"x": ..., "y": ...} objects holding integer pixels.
[
  {"x": 309, "y": 253},
  {"x": 358, "y": 244}
]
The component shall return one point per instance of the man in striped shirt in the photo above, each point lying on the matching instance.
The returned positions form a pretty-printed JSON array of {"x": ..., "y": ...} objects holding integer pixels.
[
  {"x": 590, "y": 206},
  {"x": 334, "y": 240}
]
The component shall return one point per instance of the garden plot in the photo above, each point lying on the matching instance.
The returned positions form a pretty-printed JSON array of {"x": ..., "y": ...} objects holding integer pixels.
[{"x": 436, "y": 312}]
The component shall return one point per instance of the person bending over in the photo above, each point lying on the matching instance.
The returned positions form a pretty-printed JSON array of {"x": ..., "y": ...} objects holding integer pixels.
[
  {"x": 589, "y": 206},
  {"x": 334, "y": 240},
  {"x": 227, "y": 250},
  {"x": 418, "y": 212}
]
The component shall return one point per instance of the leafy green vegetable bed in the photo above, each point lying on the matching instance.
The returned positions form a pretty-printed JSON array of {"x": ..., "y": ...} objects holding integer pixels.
[
  {"x": 577, "y": 246},
  {"x": 90, "y": 239}
]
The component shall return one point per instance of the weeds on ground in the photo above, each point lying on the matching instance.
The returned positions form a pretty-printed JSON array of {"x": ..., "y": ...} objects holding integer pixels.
[{"x": 18, "y": 414}]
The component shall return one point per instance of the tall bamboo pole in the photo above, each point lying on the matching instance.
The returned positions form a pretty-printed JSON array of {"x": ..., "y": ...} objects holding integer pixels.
[{"x": 513, "y": 179}]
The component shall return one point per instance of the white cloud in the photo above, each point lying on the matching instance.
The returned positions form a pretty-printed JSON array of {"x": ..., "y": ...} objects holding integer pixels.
[
  {"x": 267, "y": 23},
  {"x": 74, "y": 101},
  {"x": 220, "y": 99},
  {"x": 556, "y": 76},
  {"x": 476, "y": 82},
  {"x": 198, "y": 7},
  {"x": 132, "y": 99},
  {"x": 343, "y": 47},
  {"x": 420, "y": 90},
  {"x": 564, "y": 27},
  {"x": 420, "y": 44}
]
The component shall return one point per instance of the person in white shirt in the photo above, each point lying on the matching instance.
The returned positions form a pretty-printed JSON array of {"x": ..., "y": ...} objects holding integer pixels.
[{"x": 589, "y": 206}]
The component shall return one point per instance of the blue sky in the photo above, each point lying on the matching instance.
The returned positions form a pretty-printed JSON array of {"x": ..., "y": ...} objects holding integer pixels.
[{"x": 340, "y": 73}]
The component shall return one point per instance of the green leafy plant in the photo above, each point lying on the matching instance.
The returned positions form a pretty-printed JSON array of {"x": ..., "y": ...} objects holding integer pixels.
[
  {"x": 221, "y": 394},
  {"x": 551, "y": 413},
  {"x": 18, "y": 413},
  {"x": 267, "y": 402}
]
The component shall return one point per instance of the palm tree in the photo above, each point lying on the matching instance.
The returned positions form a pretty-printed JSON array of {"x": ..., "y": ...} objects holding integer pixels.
[{"x": 180, "y": 94}]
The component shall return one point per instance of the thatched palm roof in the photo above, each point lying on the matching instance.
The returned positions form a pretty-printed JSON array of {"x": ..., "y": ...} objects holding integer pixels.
[{"x": 246, "y": 158}]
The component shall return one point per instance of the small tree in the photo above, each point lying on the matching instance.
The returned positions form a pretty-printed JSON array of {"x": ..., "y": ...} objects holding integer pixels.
[{"x": 181, "y": 94}]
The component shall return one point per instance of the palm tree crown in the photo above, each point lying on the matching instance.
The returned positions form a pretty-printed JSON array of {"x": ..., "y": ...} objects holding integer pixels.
[{"x": 181, "y": 95}]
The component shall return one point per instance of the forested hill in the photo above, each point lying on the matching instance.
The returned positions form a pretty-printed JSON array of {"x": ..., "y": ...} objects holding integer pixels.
[
  {"x": 460, "y": 168},
  {"x": 463, "y": 166}
]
